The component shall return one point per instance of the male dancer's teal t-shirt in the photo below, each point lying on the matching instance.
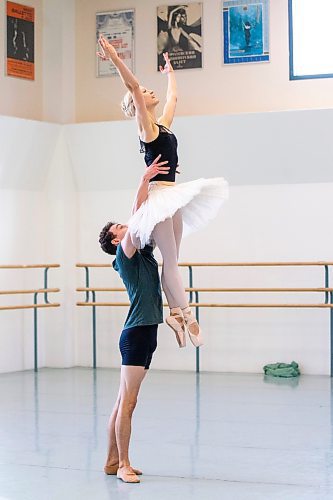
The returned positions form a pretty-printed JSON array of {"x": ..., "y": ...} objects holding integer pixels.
[{"x": 142, "y": 282}]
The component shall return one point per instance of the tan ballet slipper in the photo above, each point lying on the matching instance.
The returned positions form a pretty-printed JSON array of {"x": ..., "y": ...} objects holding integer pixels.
[
  {"x": 111, "y": 470},
  {"x": 127, "y": 474}
]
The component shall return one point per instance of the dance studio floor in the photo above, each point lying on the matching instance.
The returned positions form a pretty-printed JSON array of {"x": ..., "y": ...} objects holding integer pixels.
[{"x": 208, "y": 437}]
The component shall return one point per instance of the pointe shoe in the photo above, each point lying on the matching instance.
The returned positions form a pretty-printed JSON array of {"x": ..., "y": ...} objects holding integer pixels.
[
  {"x": 193, "y": 329},
  {"x": 111, "y": 470},
  {"x": 127, "y": 475},
  {"x": 177, "y": 324}
]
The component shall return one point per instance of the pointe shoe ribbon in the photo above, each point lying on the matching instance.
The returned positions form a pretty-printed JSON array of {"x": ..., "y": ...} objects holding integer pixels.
[
  {"x": 127, "y": 475},
  {"x": 193, "y": 329},
  {"x": 177, "y": 324}
]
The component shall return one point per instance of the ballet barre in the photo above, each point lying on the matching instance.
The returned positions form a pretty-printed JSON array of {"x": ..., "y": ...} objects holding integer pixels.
[
  {"x": 35, "y": 292},
  {"x": 326, "y": 290}
]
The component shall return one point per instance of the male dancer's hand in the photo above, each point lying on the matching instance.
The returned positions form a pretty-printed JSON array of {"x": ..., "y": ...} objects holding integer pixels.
[
  {"x": 142, "y": 193},
  {"x": 156, "y": 168}
]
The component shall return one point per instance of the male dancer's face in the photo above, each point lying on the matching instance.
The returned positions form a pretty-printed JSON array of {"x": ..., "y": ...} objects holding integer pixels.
[{"x": 119, "y": 231}]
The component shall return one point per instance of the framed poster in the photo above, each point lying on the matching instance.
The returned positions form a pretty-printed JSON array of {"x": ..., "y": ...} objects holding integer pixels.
[
  {"x": 20, "y": 41},
  {"x": 246, "y": 31},
  {"x": 179, "y": 32},
  {"x": 117, "y": 27}
]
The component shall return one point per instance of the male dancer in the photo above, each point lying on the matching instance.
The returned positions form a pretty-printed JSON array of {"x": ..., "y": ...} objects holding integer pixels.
[{"x": 138, "y": 340}]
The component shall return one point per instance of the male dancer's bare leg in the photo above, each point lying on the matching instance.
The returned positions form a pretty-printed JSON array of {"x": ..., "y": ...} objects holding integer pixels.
[
  {"x": 112, "y": 461},
  {"x": 119, "y": 428}
]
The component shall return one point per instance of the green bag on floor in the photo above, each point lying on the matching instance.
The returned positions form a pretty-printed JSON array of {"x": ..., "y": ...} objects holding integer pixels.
[{"x": 282, "y": 370}]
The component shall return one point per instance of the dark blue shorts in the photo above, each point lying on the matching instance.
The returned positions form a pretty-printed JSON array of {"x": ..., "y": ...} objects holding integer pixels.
[{"x": 137, "y": 345}]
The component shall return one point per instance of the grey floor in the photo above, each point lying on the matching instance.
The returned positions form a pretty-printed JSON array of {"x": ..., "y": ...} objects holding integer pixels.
[{"x": 207, "y": 437}]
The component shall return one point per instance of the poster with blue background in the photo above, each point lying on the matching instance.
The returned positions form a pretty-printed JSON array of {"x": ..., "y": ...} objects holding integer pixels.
[{"x": 246, "y": 31}]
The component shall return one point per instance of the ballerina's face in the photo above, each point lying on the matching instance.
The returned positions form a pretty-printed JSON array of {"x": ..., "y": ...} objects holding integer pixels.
[
  {"x": 183, "y": 19},
  {"x": 179, "y": 19},
  {"x": 149, "y": 96}
]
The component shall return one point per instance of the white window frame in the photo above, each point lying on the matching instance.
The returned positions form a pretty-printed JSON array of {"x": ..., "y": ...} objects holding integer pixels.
[{"x": 292, "y": 74}]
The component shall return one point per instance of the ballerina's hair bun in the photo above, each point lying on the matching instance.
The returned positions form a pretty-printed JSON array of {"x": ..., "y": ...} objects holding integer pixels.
[{"x": 127, "y": 105}]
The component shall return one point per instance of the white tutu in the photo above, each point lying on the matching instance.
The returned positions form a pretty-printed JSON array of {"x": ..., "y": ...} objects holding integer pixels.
[{"x": 198, "y": 200}]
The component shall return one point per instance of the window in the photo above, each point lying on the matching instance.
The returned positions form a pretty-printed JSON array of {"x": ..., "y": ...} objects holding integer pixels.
[{"x": 311, "y": 39}]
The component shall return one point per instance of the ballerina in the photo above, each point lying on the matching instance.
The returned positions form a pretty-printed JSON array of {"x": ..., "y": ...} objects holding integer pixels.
[{"x": 169, "y": 207}]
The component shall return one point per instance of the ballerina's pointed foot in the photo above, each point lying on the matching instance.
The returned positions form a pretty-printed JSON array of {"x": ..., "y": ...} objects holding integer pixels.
[
  {"x": 193, "y": 328},
  {"x": 111, "y": 470},
  {"x": 177, "y": 324},
  {"x": 127, "y": 475}
]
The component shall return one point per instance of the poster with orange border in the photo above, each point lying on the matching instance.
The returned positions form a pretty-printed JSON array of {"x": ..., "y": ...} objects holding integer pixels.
[{"x": 20, "y": 41}]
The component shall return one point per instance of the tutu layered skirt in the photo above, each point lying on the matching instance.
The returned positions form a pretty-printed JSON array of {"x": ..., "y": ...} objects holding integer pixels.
[{"x": 199, "y": 201}]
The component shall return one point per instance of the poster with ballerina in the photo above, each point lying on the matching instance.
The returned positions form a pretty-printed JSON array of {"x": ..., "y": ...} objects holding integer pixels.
[
  {"x": 179, "y": 33},
  {"x": 245, "y": 31}
]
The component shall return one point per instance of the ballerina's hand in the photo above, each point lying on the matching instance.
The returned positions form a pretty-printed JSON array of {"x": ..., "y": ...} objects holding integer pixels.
[
  {"x": 168, "y": 66},
  {"x": 156, "y": 168},
  {"x": 107, "y": 51}
]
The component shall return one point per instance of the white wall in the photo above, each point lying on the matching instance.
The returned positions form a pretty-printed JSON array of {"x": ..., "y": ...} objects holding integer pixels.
[
  {"x": 61, "y": 230},
  {"x": 73, "y": 179},
  {"x": 247, "y": 149},
  {"x": 58, "y": 61},
  {"x": 22, "y": 226},
  {"x": 37, "y": 224}
]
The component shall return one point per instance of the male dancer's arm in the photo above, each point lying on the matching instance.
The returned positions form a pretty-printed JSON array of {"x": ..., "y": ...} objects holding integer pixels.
[{"x": 142, "y": 194}]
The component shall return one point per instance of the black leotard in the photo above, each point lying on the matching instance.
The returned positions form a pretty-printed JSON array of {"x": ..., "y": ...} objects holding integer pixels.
[{"x": 165, "y": 144}]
